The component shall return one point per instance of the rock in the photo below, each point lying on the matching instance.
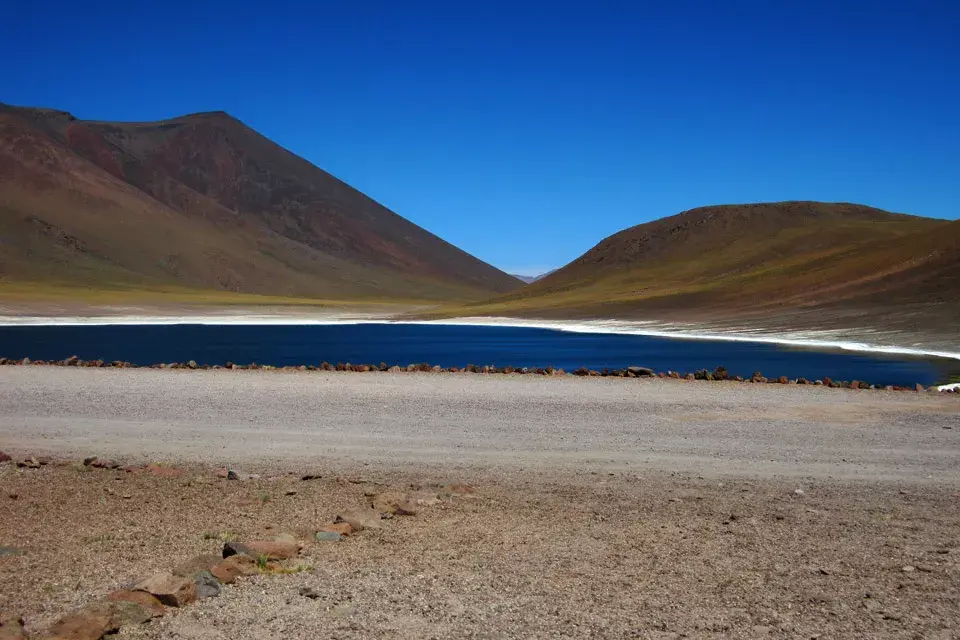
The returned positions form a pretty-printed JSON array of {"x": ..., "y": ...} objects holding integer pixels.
[
  {"x": 360, "y": 518},
  {"x": 328, "y": 536},
  {"x": 89, "y": 461},
  {"x": 208, "y": 586},
  {"x": 455, "y": 489},
  {"x": 908, "y": 568},
  {"x": 920, "y": 388},
  {"x": 97, "y": 620},
  {"x": 192, "y": 364},
  {"x": 227, "y": 571},
  {"x": 341, "y": 528},
  {"x": 10, "y": 551},
  {"x": 270, "y": 549},
  {"x": 309, "y": 592},
  {"x": 11, "y": 628},
  {"x": 198, "y": 564},
  {"x": 236, "y": 474},
  {"x": 171, "y": 590},
  {"x": 29, "y": 463},
  {"x": 290, "y": 492},
  {"x": 142, "y": 598},
  {"x": 311, "y": 476},
  {"x": 640, "y": 371},
  {"x": 394, "y": 503},
  {"x": 798, "y": 492},
  {"x": 163, "y": 471},
  {"x": 4, "y": 457}
]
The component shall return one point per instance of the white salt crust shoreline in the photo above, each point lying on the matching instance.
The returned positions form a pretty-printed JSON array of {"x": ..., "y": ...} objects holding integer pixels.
[{"x": 819, "y": 339}]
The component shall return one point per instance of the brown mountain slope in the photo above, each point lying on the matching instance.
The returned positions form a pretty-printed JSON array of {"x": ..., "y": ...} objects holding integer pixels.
[
  {"x": 205, "y": 202},
  {"x": 760, "y": 261}
]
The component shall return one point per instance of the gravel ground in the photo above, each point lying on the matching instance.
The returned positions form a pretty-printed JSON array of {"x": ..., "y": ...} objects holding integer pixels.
[
  {"x": 217, "y": 417},
  {"x": 602, "y": 508}
]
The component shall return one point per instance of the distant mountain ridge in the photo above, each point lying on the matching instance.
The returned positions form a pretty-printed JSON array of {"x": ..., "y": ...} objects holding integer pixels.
[{"x": 203, "y": 201}]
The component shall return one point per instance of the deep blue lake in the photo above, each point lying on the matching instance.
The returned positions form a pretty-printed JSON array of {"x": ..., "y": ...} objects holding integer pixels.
[{"x": 453, "y": 345}]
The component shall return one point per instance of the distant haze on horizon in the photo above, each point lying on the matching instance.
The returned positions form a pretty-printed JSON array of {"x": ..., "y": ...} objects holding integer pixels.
[{"x": 525, "y": 134}]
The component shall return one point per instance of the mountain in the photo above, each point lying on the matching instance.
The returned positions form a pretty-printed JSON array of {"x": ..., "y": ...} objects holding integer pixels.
[
  {"x": 203, "y": 202},
  {"x": 833, "y": 263},
  {"x": 530, "y": 279}
]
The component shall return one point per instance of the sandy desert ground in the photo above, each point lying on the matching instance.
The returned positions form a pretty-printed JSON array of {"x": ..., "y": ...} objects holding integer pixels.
[{"x": 600, "y": 507}]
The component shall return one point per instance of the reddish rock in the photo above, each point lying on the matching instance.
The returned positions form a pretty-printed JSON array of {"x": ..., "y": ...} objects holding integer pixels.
[
  {"x": 97, "y": 620},
  {"x": 227, "y": 571},
  {"x": 142, "y": 598},
  {"x": 163, "y": 471},
  {"x": 171, "y": 590},
  {"x": 4, "y": 457},
  {"x": 361, "y": 518},
  {"x": 394, "y": 503},
  {"x": 193, "y": 566},
  {"x": 343, "y": 528},
  {"x": 11, "y": 628},
  {"x": 271, "y": 549}
]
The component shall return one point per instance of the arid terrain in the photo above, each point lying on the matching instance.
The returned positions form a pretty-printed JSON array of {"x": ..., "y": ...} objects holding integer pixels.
[
  {"x": 568, "y": 507},
  {"x": 202, "y": 203},
  {"x": 775, "y": 266}
]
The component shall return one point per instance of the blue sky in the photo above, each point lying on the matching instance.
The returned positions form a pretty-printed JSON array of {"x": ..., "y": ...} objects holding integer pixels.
[{"x": 526, "y": 132}]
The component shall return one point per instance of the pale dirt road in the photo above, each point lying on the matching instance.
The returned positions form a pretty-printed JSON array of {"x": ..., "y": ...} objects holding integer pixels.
[
  {"x": 603, "y": 508},
  {"x": 270, "y": 417}
]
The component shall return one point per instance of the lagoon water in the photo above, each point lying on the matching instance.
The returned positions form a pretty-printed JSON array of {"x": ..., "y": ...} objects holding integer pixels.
[{"x": 453, "y": 345}]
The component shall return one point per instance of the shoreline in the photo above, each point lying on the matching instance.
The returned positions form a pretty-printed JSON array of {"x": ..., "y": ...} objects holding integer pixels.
[
  {"x": 816, "y": 339},
  {"x": 720, "y": 374}
]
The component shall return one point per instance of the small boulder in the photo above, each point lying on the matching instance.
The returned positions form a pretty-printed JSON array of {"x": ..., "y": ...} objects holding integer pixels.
[
  {"x": 340, "y": 528},
  {"x": 270, "y": 549},
  {"x": 142, "y": 598},
  {"x": 236, "y": 474},
  {"x": 208, "y": 586},
  {"x": 361, "y": 518},
  {"x": 190, "y": 568},
  {"x": 171, "y": 590},
  {"x": 29, "y": 463},
  {"x": 394, "y": 503},
  {"x": 5, "y": 457},
  {"x": 11, "y": 628},
  {"x": 640, "y": 372},
  {"x": 227, "y": 571},
  {"x": 328, "y": 536}
]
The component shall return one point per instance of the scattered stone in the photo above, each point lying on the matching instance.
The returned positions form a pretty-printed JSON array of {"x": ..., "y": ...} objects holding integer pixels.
[
  {"x": 171, "y": 590},
  {"x": 89, "y": 461},
  {"x": 227, "y": 571},
  {"x": 29, "y": 463},
  {"x": 394, "y": 503},
  {"x": 11, "y": 628},
  {"x": 192, "y": 567},
  {"x": 97, "y": 620},
  {"x": 236, "y": 474},
  {"x": 270, "y": 549},
  {"x": 142, "y": 598},
  {"x": 328, "y": 536},
  {"x": 163, "y": 471},
  {"x": 311, "y": 476},
  {"x": 640, "y": 372},
  {"x": 309, "y": 592},
  {"x": 908, "y": 568},
  {"x": 799, "y": 492},
  {"x": 342, "y": 528},
  {"x": 4, "y": 457},
  {"x": 207, "y": 585},
  {"x": 361, "y": 518},
  {"x": 290, "y": 492}
]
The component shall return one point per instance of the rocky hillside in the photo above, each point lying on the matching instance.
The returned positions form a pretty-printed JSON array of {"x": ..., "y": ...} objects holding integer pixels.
[
  {"x": 205, "y": 202},
  {"x": 760, "y": 261}
]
